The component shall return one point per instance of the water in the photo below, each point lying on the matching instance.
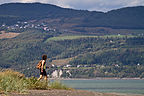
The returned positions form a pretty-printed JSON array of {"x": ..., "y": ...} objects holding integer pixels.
[{"x": 108, "y": 85}]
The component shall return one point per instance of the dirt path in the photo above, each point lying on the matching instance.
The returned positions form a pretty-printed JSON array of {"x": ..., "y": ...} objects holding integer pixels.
[{"x": 67, "y": 93}]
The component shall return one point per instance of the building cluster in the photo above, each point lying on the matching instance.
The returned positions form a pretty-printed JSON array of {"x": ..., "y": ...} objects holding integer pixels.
[{"x": 28, "y": 25}]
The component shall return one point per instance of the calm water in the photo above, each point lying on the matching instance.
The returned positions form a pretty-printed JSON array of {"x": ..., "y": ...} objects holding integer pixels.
[{"x": 109, "y": 85}]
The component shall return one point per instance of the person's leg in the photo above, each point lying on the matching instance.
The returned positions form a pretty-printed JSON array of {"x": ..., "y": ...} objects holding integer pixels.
[
  {"x": 40, "y": 77},
  {"x": 45, "y": 74},
  {"x": 45, "y": 78}
]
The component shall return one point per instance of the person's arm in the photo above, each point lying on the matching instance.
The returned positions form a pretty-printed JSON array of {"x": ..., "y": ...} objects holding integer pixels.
[{"x": 42, "y": 65}]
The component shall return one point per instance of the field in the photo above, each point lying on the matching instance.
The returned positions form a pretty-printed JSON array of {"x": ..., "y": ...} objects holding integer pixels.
[{"x": 61, "y": 38}]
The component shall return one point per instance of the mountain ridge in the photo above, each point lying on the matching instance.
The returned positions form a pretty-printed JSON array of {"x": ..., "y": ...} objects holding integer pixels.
[{"x": 126, "y": 18}]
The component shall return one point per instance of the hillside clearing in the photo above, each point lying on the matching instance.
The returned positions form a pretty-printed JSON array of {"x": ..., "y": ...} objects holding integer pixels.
[
  {"x": 61, "y": 62},
  {"x": 8, "y": 35}
]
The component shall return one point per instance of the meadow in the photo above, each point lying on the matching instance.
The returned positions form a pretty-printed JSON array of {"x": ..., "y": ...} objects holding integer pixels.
[{"x": 62, "y": 38}]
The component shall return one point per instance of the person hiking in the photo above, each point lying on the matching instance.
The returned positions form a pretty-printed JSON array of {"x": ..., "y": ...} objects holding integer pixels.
[{"x": 43, "y": 68}]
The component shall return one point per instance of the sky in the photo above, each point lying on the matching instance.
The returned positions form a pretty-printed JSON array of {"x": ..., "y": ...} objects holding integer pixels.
[{"x": 91, "y": 5}]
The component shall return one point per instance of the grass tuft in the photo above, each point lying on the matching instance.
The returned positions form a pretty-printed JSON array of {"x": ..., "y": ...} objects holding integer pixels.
[{"x": 58, "y": 85}]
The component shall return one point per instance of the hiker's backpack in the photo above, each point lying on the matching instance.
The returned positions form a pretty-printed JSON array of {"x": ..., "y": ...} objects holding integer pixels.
[{"x": 39, "y": 64}]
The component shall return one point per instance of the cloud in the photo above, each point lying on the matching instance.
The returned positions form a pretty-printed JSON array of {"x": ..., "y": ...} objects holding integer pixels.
[
  {"x": 28, "y": 0},
  {"x": 94, "y": 5},
  {"x": 102, "y": 5}
]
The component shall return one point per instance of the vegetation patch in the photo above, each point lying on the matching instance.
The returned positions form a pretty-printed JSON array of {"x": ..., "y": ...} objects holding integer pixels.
[
  {"x": 58, "y": 85},
  {"x": 11, "y": 81}
]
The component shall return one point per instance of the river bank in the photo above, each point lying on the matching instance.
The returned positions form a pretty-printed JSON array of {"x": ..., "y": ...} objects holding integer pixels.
[{"x": 55, "y": 92}]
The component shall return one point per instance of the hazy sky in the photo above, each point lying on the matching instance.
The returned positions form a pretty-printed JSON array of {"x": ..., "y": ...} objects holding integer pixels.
[{"x": 93, "y": 5}]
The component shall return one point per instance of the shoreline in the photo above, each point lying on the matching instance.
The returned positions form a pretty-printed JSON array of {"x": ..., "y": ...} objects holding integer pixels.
[
  {"x": 56, "y": 92},
  {"x": 97, "y": 78}
]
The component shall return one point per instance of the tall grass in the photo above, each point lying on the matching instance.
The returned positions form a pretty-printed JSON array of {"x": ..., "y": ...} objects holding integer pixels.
[
  {"x": 11, "y": 81},
  {"x": 33, "y": 83}
]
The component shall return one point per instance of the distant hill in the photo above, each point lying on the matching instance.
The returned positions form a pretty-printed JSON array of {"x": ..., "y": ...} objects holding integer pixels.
[
  {"x": 128, "y": 18},
  {"x": 30, "y": 11}
]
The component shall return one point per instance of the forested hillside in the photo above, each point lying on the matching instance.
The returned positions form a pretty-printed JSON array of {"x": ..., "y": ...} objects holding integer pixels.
[
  {"x": 93, "y": 44},
  {"x": 24, "y": 51}
]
